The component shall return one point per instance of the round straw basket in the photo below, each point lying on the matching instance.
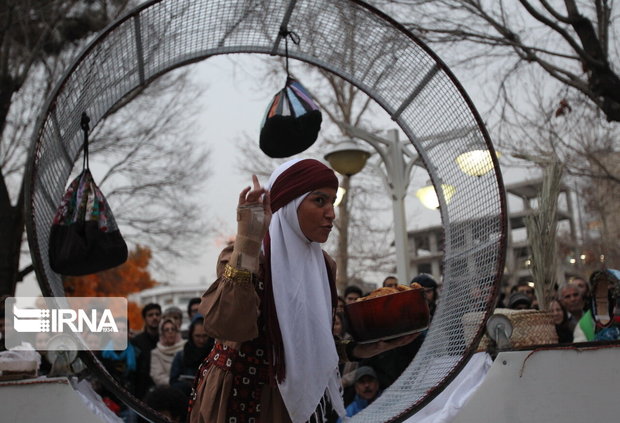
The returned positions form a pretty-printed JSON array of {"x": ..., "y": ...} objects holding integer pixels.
[{"x": 529, "y": 327}]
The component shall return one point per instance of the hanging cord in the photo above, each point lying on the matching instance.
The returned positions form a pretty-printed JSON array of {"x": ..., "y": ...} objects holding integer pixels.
[
  {"x": 286, "y": 34},
  {"x": 85, "y": 128}
]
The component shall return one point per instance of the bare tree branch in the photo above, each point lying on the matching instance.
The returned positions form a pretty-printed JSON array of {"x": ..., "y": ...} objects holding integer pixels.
[{"x": 570, "y": 45}]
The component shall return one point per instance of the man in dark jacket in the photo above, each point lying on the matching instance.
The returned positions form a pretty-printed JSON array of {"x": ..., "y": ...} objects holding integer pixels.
[{"x": 145, "y": 341}]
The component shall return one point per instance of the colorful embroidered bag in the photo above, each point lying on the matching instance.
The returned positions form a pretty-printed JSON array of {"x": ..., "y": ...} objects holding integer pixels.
[{"x": 84, "y": 237}]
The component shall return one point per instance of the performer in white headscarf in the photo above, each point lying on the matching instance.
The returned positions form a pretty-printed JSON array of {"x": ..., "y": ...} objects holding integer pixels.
[{"x": 275, "y": 359}]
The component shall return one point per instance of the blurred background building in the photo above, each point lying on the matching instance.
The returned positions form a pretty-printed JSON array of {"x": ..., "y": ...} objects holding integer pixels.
[{"x": 426, "y": 245}]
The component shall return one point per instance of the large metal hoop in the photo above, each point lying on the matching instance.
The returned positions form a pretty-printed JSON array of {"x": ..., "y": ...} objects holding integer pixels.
[{"x": 357, "y": 43}]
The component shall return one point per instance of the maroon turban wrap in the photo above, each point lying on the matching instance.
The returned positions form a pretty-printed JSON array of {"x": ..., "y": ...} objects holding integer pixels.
[{"x": 302, "y": 177}]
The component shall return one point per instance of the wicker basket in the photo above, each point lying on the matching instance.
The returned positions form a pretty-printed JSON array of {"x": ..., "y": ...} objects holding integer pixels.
[{"x": 529, "y": 327}]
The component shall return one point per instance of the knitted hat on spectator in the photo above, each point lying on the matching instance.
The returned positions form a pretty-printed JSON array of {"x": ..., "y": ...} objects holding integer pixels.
[
  {"x": 426, "y": 280},
  {"x": 519, "y": 298}
]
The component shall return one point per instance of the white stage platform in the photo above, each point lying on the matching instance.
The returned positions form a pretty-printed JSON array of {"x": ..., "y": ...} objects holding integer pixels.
[{"x": 52, "y": 400}]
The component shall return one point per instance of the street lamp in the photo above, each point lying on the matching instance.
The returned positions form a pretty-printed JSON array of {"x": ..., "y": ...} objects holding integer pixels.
[
  {"x": 398, "y": 162},
  {"x": 348, "y": 158},
  {"x": 428, "y": 196},
  {"x": 476, "y": 162}
]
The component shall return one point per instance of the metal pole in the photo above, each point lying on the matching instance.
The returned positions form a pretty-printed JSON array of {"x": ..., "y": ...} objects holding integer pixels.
[
  {"x": 396, "y": 174},
  {"x": 393, "y": 155},
  {"x": 342, "y": 256}
]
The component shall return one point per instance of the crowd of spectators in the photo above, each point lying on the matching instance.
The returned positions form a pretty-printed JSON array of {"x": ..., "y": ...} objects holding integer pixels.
[
  {"x": 574, "y": 306},
  {"x": 160, "y": 362}
]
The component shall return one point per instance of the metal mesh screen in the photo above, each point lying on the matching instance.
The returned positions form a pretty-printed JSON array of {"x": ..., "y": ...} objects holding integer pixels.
[{"x": 353, "y": 41}]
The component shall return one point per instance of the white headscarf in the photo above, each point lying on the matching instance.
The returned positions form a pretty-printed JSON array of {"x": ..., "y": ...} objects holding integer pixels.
[{"x": 303, "y": 303}]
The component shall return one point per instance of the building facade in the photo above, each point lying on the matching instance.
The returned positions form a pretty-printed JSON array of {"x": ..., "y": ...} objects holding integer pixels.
[{"x": 426, "y": 245}]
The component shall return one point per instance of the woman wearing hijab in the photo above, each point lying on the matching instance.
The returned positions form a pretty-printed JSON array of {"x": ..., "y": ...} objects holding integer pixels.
[
  {"x": 275, "y": 359},
  {"x": 161, "y": 356},
  {"x": 186, "y": 362}
]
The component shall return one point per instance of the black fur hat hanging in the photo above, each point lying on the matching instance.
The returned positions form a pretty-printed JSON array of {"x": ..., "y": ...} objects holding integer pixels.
[{"x": 293, "y": 120}]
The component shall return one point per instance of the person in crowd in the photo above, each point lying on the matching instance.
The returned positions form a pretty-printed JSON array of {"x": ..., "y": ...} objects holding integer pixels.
[
  {"x": 430, "y": 290},
  {"x": 185, "y": 363},
  {"x": 122, "y": 364},
  {"x": 584, "y": 288},
  {"x": 352, "y": 293},
  {"x": 340, "y": 306},
  {"x": 560, "y": 319},
  {"x": 389, "y": 365},
  {"x": 275, "y": 359},
  {"x": 192, "y": 312},
  {"x": 501, "y": 300},
  {"x": 340, "y": 319},
  {"x": 366, "y": 390},
  {"x": 161, "y": 356},
  {"x": 525, "y": 288},
  {"x": 519, "y": 301},
  {"x": 390, "y": 282},
  {"x": 347, "y": 368},
  {"x": 611, "y": 331},
  {"x": 599, "y": 322},
  {"x": 339, "y": 329},
  {"x": 145, "y": 341},
  {"x": 192, "y": 308},
  {"x": 174, "y": 313},
  {"x": 168, "y": 401},
  {"x": 571, "y": 298}
]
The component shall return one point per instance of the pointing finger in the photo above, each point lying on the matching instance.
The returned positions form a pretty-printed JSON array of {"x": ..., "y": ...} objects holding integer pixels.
[{"x": 256, "y": 183}]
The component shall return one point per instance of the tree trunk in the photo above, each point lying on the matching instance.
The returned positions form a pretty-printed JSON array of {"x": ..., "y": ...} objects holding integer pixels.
[{"x": 11, "y": 231}]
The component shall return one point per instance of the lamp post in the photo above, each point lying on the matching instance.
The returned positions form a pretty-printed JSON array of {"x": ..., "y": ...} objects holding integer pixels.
[
  {"x": 347, "y": 159},
  {"x": 398, "y": 162}
]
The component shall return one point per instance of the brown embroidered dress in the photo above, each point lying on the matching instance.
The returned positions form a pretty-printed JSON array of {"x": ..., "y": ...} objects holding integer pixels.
[{"x": 235, "y": 382}]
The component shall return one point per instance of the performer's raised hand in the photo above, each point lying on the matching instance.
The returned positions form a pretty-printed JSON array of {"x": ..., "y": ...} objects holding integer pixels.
[{"x": 253, "y": 218}]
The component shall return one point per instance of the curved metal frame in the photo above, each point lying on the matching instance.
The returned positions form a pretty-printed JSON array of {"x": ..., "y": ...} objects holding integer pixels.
[{"x": 404, "y": 77}]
